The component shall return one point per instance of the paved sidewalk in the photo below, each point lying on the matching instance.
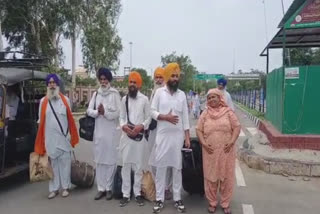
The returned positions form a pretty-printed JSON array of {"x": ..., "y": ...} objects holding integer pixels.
[{"x": 262, "y": 156}]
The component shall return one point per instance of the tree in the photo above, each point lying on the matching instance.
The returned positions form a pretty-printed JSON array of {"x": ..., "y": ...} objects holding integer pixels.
[
  {"x": 101, "y": 45},
  {"x": 33, "y": 26},
  {"x": 86, "y": 81},
  {"x": 187, "y": 69},
  {"x": 303, "y": 56}
]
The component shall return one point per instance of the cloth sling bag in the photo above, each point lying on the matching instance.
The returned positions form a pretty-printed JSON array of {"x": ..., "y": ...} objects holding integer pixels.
[{"x": 138, "y": 137}]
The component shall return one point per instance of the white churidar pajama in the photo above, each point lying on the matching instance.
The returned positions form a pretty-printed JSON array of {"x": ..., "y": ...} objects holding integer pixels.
[
  {"x": 58, "y": 146},
  {"x": 106, "y": 135},
  {"x": 134, "y": 153},
  {"x": 166, "y": 153}
]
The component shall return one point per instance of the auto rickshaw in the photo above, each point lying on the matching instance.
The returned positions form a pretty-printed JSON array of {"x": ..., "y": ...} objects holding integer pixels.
[{"x": 21, "y": 89}]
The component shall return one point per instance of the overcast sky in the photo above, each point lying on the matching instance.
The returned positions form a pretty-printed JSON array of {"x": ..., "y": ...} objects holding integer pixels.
[{"x": 211, "y": 32}]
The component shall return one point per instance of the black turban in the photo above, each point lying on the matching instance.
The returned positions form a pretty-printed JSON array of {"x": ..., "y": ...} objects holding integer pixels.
[{"x": 105, "y": 72}]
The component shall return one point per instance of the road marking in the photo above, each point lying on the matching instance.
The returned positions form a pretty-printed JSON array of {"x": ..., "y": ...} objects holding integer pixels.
[
  {"x": 247, "y": 209},
  {"x": 253, "y": 131},
  {"x": 239, "y": 175},
  {"x": 242, "y": 134}
]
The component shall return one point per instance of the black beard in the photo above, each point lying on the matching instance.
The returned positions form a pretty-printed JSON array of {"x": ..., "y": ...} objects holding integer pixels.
[
  {"x": 173, "y": 85},
  {"x": 133, "y": 92}
]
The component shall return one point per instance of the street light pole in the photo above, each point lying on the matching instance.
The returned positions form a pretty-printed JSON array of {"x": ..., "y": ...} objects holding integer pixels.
[
  {"x": 282, "y": 6},
  {"x": 130, "y": 55}
]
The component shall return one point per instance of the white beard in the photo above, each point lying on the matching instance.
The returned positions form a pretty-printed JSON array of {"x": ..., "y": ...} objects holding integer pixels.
[
  {"x": 53, "y": 94},
  {"x": 156, "y": 86},
  {"x": 103, "y": 91}
]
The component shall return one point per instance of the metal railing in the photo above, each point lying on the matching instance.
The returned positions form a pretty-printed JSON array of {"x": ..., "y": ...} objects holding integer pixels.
[{"x": 253, "y": 99}]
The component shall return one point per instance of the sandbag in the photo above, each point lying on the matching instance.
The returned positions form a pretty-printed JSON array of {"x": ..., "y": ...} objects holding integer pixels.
[
  {"x": 39, "y": 168},
  {"x": 148, "y": 188},
  {"x": 82, "y": 174}
]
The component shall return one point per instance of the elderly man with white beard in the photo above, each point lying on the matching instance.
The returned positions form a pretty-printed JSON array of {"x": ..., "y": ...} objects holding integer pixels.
[
  {"x": 105, "y": 108},
  {"x": 55, "y": 122}
]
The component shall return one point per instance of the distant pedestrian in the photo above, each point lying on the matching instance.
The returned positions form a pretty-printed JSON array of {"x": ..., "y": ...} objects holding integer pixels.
[{"x": 222, "y": 83}]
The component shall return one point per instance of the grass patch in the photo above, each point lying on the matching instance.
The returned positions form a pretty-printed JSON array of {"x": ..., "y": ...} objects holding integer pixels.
[{"x": 254, "y": 112}]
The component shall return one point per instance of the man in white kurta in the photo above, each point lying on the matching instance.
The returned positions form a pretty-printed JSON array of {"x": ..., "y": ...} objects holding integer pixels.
[
  {"x": 105, "y": 108},
  {"x": 222, "y": 83},
  {"x": 133, "y": 152},
  {"x": 170, "y": 108},
  {"x": 159, "y": 82},
  {"x": 57, "y": 145}
]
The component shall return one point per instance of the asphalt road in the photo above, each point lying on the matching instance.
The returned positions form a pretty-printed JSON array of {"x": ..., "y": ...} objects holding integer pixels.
[{"x": 254, "y": 192}]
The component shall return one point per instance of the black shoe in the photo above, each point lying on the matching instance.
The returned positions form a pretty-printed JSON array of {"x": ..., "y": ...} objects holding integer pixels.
[
  {"x": 180, "y": 206},
  {"x": 109, "y": 195},
  {"x": 99, "y": 195},
  {"x": 124, "y": 201},
  {"x": 158, "y": 207},
  {"x": 139, "y": 201}
]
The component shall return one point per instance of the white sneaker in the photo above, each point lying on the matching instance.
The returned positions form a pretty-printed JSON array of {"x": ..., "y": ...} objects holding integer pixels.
[
  {"x": 65, "y": 193},
  {"x": 52, "y": 195}
]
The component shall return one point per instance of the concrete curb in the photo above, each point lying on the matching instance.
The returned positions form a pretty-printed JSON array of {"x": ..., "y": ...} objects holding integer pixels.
[
  {"x": 278, "y": 166},
  {"x": 255, "y": 119}
]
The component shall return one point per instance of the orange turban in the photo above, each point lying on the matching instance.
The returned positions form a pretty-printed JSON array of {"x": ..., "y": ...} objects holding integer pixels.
[
  {"x": 171, "y": 68},
  {"x": 135, "y": 76},
  {"x": 159, "y": 72}
]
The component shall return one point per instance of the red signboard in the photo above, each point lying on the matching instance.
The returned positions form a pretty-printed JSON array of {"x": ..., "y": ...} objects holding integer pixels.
[{"x": 309, "y": 16}]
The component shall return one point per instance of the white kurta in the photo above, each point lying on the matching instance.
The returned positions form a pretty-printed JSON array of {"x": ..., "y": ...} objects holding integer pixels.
[
  {"x": 58, "y": 146},
  {"x": 55, "y": 142},
  {"x": 153, "y": 133},
  {"x": 134, "y": 152},
  {"x": 228, "y": 99},
  {"x": 170, "y": 138},
  {"x": 106, "y": 134}
]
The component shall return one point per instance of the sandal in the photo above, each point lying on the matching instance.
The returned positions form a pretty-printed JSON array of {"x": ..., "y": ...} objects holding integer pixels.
[
  {"x": 227, "y": 210},
  {"x": 211, "y": 209}
]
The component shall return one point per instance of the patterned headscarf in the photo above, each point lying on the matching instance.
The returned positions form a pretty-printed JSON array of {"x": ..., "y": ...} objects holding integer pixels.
[{"x": 217, "y": 112}]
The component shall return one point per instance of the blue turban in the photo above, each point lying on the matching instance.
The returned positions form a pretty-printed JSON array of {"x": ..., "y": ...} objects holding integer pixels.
[
  {"x": 105, "y": 72},
  {"x": 222, "y": 81},
  {"x": 54, "y": 77}
]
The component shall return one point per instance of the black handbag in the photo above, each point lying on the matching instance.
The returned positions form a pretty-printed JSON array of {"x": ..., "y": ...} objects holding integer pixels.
[
  {"x": 87, "y": 123},
  {"x": 138, "y": 137},
  {"x": 153, "y": 124}
]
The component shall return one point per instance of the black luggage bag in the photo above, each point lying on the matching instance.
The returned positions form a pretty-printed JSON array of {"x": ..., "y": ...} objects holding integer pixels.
[{"x": 192, "y": 171}]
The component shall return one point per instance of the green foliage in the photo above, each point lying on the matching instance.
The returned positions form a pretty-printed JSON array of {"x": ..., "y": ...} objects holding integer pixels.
[
  {"x": 187, "y": 69},
  {"x": 86, "y": 81},
  {"x": 52, "y": 69},
  {"x": 33, "y": 26},
  {"x": 236, "y": 85},
  {"x": 304, "y": 56},
  {"x": 101, "y": 45},
  {"x": 36, "y": 26},
  {"x": 120, "y": 84},
  {"x": 254, "y": 112}
]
